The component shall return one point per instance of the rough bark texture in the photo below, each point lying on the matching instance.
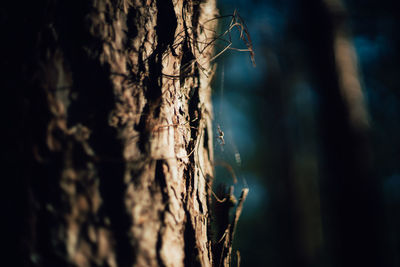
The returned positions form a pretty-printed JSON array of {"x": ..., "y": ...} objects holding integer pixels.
[{"x": 112, "y": 128}]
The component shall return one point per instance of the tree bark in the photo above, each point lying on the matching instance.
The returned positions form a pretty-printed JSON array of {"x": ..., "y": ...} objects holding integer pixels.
[{"x": 110, "y": 139}]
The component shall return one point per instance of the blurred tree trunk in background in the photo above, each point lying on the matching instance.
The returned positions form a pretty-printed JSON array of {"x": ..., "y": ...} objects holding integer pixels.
[
  {"x": 284, "y": 206},
  {"x": 109, "y": 139},
  {"x": 351, "y": 205},
  {"x": 294, "y": 223}
]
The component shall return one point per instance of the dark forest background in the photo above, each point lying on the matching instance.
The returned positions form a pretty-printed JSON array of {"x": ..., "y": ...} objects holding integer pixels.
[{"x": 310, "y": 204}]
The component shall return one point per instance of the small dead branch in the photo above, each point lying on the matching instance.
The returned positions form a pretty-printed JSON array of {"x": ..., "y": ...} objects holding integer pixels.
[
  {"x": 198, "y": 47},
  {"x": 225, "y": 255}
]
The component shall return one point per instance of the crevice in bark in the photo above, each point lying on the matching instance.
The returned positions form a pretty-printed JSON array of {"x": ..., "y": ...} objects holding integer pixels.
[
  {"x": 211, "y": 235},
  {"x": 144, "y": 134},
  {"x": 185, "y": 65},
  {"x": 195, "y": 17},
  {"x": 165, "y": 31},
  {"x": 131, "y": 32},
  {"x": 205, "y": 142},
  {"x": 161, "y": 179},
  {"x": 131, "y": 23},
  {"x": 200, "y": 203},
  {"x": 188, "y": 174},
  {"x": 159, "y": 245},
  {"x": 194, "y": 109},
  {"x": 166, "y": 25},
  {"x": 191, "y": 251}
]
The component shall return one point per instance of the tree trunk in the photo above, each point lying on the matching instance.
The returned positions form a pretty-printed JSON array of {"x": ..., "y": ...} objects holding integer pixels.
[
  {"x": 109, "y": 143},
  {"x": 350, "y": 192}
]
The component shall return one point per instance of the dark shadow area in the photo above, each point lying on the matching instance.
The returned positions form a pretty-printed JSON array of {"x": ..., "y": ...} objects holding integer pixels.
[{"x": 313, "y": 132}]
